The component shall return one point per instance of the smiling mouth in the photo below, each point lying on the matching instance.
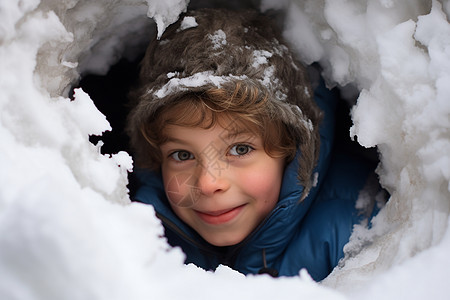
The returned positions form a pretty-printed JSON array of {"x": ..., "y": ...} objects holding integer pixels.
[{"x": 220, "y": 216}]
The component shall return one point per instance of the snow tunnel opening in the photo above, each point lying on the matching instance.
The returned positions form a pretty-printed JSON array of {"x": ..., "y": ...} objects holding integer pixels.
[
  {"x": 109, "y": 92},
  {"x": 412, "y": 223}
]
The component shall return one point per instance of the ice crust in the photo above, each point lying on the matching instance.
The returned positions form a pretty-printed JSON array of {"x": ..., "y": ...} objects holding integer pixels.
[{"x": 67, "y": 227}]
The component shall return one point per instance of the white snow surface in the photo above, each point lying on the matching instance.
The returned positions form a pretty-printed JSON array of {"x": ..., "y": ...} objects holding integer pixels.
[
  {"x": 67, "y": 227},
  {"x": 165, "y": 12}
]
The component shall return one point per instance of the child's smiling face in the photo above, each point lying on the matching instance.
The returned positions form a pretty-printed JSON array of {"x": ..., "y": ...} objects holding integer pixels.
[{"x": 220, "y": 182}]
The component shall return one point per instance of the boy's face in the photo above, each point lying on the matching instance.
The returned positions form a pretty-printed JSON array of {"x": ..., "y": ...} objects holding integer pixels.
[{"x": 220, "y": 182}]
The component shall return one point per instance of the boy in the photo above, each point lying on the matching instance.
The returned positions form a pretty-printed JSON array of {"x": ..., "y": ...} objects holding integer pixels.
[{"x": 235, "y": 153}]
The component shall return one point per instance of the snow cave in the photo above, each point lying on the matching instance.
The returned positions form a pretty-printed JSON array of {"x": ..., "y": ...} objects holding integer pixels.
[{"x": 68, "y": 229}]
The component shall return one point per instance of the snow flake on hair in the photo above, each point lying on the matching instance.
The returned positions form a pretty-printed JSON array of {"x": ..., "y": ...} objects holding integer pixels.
[
  {"x": 172, "y": 74},
  {"x": 201, "y": 79},
  {"x": 271, "y": 82},
  {"x": 315, "y": 179},
  {"x": 188, "y": 22},
  {"x": 308, "y": 124},
  {"x": 218, "y": 38},
  {"x": 260, "y": 57},
  {"x": 280, "y": 96},
  {"x": 306, "y": 91},
  {"x": 305, "y": 121},
  {"x": 269, "y": 78}
]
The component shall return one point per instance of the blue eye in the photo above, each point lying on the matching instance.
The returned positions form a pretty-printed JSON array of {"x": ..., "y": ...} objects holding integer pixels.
[
  {"x": 240, "y": 149},
  {"x": 182, "y": 155}
]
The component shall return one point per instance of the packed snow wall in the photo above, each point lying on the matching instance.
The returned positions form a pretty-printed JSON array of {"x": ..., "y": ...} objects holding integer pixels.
[{"x": 67, "y": 227}]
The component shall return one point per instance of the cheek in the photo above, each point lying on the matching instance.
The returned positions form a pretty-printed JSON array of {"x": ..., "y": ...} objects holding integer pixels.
[
  {"x": 180, "y": 189},
  {"x": 264, "y": 185}
]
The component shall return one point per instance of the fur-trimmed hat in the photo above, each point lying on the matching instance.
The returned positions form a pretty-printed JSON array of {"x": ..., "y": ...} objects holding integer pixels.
[{"x": 215, "y": 48}]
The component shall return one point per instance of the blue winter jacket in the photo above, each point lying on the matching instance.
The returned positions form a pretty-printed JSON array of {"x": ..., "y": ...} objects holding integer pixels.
[{"x": 310, "y": 234}]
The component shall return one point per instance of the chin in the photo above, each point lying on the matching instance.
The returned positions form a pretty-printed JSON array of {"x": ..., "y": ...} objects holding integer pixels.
[{"x": 220, "y": 241}]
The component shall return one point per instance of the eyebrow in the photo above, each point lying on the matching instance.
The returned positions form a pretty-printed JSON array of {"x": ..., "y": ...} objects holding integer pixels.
[
  {"x": 231, "y": 135},
  {"x": 226, "y": 135}
]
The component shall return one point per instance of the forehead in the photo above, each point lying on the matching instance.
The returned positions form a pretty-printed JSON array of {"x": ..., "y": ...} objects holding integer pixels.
[
  {"x": 191, "y": 115},
  {"x": 234, "y": 125},
  {"x": 224, "y": 128}
]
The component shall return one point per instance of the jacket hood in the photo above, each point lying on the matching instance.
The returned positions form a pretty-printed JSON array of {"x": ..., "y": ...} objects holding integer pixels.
[{"x": 219, "y": 49}]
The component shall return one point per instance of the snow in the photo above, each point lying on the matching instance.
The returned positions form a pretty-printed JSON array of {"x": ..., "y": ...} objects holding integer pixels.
[
  {"x": 84, "y": 112},
  {"x": 219, "y": 39},
  {"x": 165, "y": 12},
  {"x": 175, "y": 84},
  {"x": 260, "y": 57},
  {"x": 188, "y": 22},
  {"x": 67, "y": 227}
]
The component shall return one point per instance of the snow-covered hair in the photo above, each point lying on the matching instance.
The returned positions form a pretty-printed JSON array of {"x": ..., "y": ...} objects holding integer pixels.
[{"x": 221, "y": 49}]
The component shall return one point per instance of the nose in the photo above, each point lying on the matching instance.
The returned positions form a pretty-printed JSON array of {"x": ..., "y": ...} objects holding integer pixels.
[{"x": 211, "y": 178}]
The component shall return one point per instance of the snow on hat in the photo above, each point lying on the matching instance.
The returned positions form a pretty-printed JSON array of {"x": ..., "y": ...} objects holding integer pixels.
[{"x": 216, "y": 48}]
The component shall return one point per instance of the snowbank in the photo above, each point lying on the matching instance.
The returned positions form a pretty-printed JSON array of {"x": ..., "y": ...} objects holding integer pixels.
[{"x": 67, "y": 227}]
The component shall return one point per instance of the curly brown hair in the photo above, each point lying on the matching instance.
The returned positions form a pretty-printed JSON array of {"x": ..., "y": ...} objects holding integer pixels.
[{"x": 245, "y": 108}]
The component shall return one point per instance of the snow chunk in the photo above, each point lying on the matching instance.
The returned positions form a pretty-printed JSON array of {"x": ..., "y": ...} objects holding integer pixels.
[
  {"x": 300, "y": 31},
  {"x": 172, "y": 74},
  {"x": 123, "y": 160},
  {"x": 165, "y": 12},
  {"x": 86, "y": 114},
  {"x": 188, "y": 22}
]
